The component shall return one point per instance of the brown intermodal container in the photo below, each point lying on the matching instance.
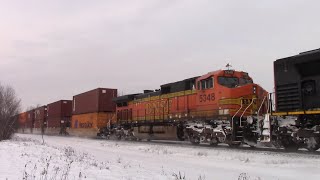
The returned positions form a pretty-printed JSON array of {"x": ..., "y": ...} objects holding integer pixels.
[
  {"x": 40, "y": 117},
  {"x": 58, "y": 122},
  {"x": 97, "y": 100},
  {"x": 30, "y": 119},
  {"x": 22, "y": 120},
  {"x": 59, "y": 114}
]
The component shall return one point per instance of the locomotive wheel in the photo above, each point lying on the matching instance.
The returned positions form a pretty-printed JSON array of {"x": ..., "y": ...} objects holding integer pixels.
[
  {"x": 214, "y": 142},
  {"x": 119, "y": 137},
  {"x": 313, "y": 149},
  {"x": 234, "y": 145},
  {"x": 107, "y": 137},
  {"x": 276, "y": 143},
  {"x": 288, "y": 144},
  {"x": 313, "y": 144},
  {"x": 195, "y": 140},
  {"x": 292, "y": 147}
]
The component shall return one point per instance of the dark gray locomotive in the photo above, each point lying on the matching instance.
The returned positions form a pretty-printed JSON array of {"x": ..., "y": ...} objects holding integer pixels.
[
  {"x": 295, "y": 122},
  {"x": 297, "y": 82}
]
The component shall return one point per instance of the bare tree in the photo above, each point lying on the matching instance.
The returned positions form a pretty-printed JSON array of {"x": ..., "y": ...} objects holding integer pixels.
[{"x": 9, "y": 109}]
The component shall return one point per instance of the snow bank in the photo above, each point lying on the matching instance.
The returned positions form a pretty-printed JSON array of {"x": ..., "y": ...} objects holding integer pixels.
[
  {"x": 24, "y": 158},
  {"x": 76, "y": 158}
]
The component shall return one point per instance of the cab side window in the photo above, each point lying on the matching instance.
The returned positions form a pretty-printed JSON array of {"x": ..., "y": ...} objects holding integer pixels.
[
  {"x": 203, "y": 84},
  {"x": 209, "y": 83},
  {"x": 206, "y": 84}
]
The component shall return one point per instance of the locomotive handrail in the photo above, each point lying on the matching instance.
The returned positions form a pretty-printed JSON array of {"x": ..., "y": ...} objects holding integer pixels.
[
  {"x": 246, "y": 109},
  {"x": 261, "y": 105},
  {"x": 236, "y": 113},
  {"x": 269, "y": 103}
]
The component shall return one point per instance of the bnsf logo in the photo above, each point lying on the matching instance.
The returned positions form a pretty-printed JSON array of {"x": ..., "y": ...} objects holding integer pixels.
[
  {"x": 249, "y": 101},
  {"x": 86, "y": 125}
]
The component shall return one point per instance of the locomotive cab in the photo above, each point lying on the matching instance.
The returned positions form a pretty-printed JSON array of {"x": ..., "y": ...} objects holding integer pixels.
[
  {"x": 232, "y": 99},
  {"x": 228, "y": 90}
]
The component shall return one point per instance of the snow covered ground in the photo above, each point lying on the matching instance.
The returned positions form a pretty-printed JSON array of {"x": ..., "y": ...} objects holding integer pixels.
[{"x": 74, "y": 158}]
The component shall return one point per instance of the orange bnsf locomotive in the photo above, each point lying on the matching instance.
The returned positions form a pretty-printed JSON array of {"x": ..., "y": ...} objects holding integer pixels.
[{"x": 220, "y": 107}]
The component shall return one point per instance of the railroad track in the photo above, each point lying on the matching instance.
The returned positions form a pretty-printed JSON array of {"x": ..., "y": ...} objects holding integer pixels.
[{"x": 243, "y": 148}]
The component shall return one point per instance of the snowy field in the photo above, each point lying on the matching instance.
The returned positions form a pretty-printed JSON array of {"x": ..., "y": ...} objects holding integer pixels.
[{"x": 25, "y": 157}]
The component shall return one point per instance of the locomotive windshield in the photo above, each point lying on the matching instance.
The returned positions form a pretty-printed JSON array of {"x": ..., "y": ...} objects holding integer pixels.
[
  {"x": 244, "y": 81},
  {"x": 230, "y": 82}
]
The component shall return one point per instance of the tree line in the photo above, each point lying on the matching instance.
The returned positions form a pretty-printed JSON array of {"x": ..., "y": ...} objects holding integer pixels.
[{"x": 9, "y": 110}]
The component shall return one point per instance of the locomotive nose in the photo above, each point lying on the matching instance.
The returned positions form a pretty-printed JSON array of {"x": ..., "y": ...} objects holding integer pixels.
[
  {"x": 261, "y": 96},
  {"x": 256, "y": 91},
  {"x": 259, "y": 91}
]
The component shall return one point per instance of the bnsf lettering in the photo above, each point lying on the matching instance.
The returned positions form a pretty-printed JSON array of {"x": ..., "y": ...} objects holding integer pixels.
[
  {"x": 158, "y": 107},
  {"x": 86, "y": 125},
  {"x": 207, "y": 97},
  {"x": 248, "y": 101}
]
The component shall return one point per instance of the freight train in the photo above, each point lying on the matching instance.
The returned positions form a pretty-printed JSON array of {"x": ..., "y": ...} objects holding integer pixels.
[{"x": 223, "y": 106}]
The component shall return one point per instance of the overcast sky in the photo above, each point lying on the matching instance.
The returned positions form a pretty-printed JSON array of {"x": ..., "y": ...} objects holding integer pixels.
[{"x": 52, "y": 50}]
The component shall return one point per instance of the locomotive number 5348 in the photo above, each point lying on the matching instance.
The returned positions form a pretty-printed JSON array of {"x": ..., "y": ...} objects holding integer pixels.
[{"x": 207, "y": 97}]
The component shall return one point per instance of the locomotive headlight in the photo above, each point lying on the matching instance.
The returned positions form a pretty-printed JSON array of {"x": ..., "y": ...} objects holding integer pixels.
[
  {"x": 250, "y": 119},
  {"x": 224, "y": 112},
  {"x": 254, "y": 89}
]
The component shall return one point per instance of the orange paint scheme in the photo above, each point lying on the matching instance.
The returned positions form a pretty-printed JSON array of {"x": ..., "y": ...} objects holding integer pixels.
[
  {"x": 92, "y": 120},
  {"x": 214, "y": 95},
  {"x": 237, "y": 95}
]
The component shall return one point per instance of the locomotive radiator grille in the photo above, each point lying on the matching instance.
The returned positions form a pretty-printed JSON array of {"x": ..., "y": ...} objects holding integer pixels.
[{"x": 288, "y": 97}]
